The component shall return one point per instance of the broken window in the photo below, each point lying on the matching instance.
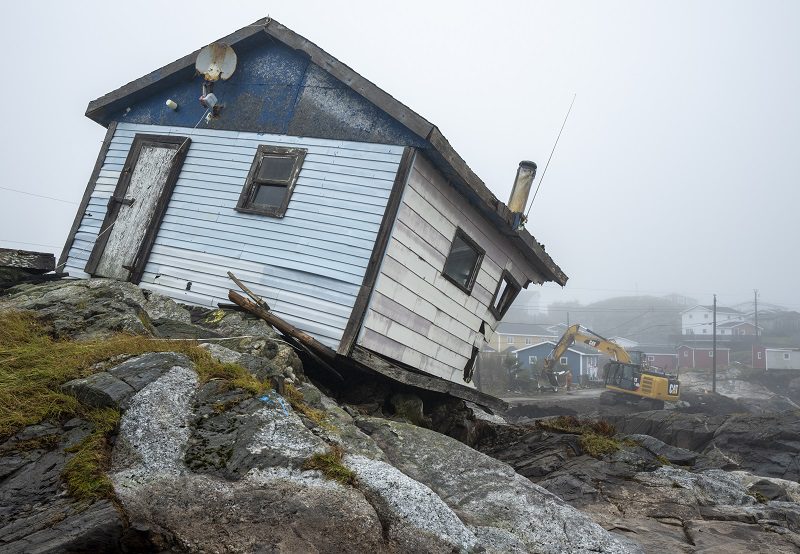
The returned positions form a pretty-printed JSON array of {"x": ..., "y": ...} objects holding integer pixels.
[
  {"x": 463, "y": 261},
  {"x": 271, "y": 180},
  {"x": 507, "y": 291},
  {"x": 469, "y": 369}
]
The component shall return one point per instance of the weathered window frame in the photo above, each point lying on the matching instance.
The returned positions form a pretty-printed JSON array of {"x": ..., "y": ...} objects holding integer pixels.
[
  {"x": 510, "y": 293},
  {"x": 247, "y": 203},
  {"x": 475, "y": 269}
]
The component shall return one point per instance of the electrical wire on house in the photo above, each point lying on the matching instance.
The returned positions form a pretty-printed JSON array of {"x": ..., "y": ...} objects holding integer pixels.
[
  {"x": 551, "y": 154},
  {"x": 40, "y": 195}
]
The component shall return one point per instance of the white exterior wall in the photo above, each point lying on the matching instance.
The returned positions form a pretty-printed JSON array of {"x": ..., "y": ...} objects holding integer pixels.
[
  {"x": 309, "y": 265},
  {"x": 416, "y": 315},
  {"x": 699, "y": 318},
  {"x": 782, "y": 359}
]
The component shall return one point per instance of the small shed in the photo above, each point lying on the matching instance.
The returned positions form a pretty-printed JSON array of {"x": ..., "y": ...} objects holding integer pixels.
[
  {"x": 348, "y": 212},
  {"x": 581, "y": 360},
  {"x": 783, "y": 358},
  {"x": 660, "y": 356},
  {"x": 691, "y": 357}
]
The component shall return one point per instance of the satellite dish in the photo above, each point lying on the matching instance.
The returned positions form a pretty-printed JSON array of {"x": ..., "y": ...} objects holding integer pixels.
[{"x": 216, "y": 61}]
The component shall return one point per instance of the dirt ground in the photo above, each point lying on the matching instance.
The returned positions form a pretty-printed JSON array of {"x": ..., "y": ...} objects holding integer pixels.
[{"x": 587, "y": 403}]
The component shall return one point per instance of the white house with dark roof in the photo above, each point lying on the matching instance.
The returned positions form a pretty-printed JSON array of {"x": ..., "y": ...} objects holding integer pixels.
[{"x": 698, "y": 320}]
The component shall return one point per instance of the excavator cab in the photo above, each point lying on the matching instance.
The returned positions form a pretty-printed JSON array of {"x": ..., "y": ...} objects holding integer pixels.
[{"x": 622, "y": 376}]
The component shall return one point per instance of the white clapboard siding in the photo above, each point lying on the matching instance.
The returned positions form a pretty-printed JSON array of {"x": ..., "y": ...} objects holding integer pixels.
[
  {"x": 416, "y": 315},
  {"x": 309, "y": 265}
]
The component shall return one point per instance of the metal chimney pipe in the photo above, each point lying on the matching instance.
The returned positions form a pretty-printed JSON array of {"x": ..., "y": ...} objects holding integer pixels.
[{"x": 522, "y": 186}]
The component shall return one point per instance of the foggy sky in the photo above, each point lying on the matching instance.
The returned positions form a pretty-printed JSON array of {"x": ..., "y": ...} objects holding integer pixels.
[{"x": 676, "y": 171}]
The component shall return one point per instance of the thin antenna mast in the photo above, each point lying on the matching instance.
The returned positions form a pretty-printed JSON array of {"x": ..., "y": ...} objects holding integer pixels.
[{"x": 551, "y": 154}]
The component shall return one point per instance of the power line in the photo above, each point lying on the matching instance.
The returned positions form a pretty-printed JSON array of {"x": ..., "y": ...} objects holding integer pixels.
[
  {"x": 40, "y": 196},
  {"x": 30, "y": 243},
  {"x": 551, "y": 154}
]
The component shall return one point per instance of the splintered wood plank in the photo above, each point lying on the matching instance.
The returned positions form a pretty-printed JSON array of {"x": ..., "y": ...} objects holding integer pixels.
[{"x": 32, "y": 262}]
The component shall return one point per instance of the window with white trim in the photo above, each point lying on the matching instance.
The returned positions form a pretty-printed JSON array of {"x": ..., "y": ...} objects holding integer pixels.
[
  {"x": 563, "y": 360},
  {"x": 533, "y": 359},
  {"x": 510, "y": 339},
  {"x": 786, "y": 356},
  {"x": 710, "y": 353},
  {"x": 758, "y": 355}
]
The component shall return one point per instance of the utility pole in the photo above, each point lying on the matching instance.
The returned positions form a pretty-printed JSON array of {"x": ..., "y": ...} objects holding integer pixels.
[
  {"x": 755, "y": 302},
  {"x": 714, "y": 361}
]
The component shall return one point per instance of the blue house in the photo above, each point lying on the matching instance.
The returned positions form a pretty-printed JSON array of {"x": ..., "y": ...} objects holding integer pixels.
[
  {"x": 349, "y": 213},
  {"x": 578, "y": 358}
]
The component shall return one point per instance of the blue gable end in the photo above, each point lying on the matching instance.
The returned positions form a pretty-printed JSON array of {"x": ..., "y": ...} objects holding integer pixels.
[
  {"x": 575, "y": 361},
  {"x": 276, "y": 90}
]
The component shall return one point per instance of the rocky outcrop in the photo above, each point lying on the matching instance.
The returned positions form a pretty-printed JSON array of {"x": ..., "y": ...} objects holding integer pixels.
[
  {"x": 200, "y": 465},
  {"x": 658, "y": 494},
  {"x": 170, "y": 455},
  {"x": 764, "y": 444}
]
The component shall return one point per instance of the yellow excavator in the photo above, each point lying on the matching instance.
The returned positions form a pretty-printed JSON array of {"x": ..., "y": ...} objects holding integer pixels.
[{"x": 627, "y": 374}]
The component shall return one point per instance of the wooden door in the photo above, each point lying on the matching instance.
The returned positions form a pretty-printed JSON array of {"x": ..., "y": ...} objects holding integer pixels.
[{"x": 137, "y": 207}]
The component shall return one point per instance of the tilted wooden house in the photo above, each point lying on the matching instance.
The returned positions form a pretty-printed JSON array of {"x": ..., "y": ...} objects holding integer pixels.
[{"x": 348, "y": 212}]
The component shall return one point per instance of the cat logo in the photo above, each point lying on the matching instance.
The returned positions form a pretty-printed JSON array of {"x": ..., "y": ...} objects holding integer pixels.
[
  {"x": 592, "y": 342},
  {"x": 673, "y": 389}
]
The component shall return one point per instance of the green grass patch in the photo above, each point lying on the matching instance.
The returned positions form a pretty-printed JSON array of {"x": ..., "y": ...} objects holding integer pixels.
[
  {"x": 85, "y": 473},
  {"x": 663, "y": 460},
  {"x": 573, "y": 425},
  {"x": 331, "y": 466},
  {"x": 34, "y": 365},
  {"x": 298, "y": 403},
  {"x": 598, "y": 446},
  {"x": 596, "y": 436},
  {"x": 45, "y": 442}
]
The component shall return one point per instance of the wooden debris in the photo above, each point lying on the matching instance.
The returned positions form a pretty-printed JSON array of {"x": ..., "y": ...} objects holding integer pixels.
[
  {"x": 30, "y": 262},
  {"x": 257, "y": 299},
  {"x": 321, "y": 353}
]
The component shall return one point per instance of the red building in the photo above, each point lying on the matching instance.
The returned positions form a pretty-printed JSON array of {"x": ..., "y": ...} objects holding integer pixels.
[
  {"x": 660, "y": 356},
  {"x": 759, "y": 356},
  {"x": 691, "y": 357},
  {"x": 668, "y": 362},
  {"x": 737, "y": 329}
]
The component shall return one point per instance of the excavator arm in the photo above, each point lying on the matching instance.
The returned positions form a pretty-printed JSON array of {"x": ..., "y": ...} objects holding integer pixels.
[{"x": 582, "y": 335}]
